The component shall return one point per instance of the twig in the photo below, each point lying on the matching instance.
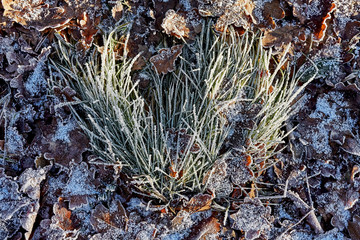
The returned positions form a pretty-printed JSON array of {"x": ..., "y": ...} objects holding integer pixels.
[
  {"x": 304, "y": 208},
  {"x": 292, "y": 226}
]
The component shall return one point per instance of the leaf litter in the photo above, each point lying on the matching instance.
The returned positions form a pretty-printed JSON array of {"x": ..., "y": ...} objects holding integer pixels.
[{"x": 50, "y": 190}]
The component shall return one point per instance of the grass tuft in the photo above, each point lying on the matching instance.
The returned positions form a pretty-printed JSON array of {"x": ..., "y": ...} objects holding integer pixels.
[{"x": 169, "y": 136}]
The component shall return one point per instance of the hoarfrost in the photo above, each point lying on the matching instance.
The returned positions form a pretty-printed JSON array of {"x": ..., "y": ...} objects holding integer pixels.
[
  {"x": 14, "y": 141},
  {"x": 30, "y": 181},
  {"x": 36, "y": 83},
  {"x": 328, "y": 112},
  {"x": 251, "y": 218},
  {"x": 63, "y": 130},
  {"x": 11, "y": 200}
]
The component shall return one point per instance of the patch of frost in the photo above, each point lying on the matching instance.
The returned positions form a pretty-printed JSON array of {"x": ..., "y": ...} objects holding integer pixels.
[
  {"x": 63, "y": 130},
  {"x": 329, "y": 110},
  {"x": 36, "y": 82}
]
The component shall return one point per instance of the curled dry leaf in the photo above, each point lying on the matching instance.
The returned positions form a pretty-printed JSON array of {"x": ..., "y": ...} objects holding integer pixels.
[
  {"x": 198, "y": 203},
  {"x": 351, "y": 29},
  {"x": 103, "y": 219},
  {"x": 117, "y": 11},
  {"x": 62, "y": 216},
  {"x": 272, "y": 10},
  {"x": 217, "y": 179},
  {"x": 280, "y": 36},
  {"x": 237, "y": 13},
  {"x": 88, "y": 29},
  {"x": 182, "y": 24},
  {"x": 62, "y": 141},
  {"x": 313, "y": 14},
  {"x": 80, "y": 186},
  {"x": 37, "y": 14},
  {"x": 30, "y": 181},
  {"x": 205, "y": 228},
  {"x": 11, "y": 199},
  {"x": 319, "y": 24},
  {"x": 164, "y": 61},
  {"x": 354, "y": 228}
]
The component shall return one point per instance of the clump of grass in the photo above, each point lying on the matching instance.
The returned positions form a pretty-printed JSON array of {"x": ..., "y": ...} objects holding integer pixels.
[{"x": 168, "y": 137}]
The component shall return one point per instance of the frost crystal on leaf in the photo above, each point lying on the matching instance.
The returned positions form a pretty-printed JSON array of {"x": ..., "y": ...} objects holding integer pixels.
[{"x": 252, "y": 218}]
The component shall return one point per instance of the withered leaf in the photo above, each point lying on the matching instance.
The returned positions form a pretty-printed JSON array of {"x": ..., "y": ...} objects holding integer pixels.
[
  {"x": 279, "y": 36},
  {"x": 88, "y": 29},
  {"x": 318, "y": 23},
  {"x": 206, "y": 227},
  {"x": 117, "y": 11},
  {"x": 198, "y": 203},
  {"x": 182, "y": 24},
  {"x": 164, "y": 61},
  {"x": 103, "y": 219},
  {"x": 39, "y": 16},
  {"x": 11, "y": 199},
  {"x": 273, "y": 10},
  {"x": 62, "y": 216},
  {"x": 354, "y": 228},
  {"x": 352, "y": 29},
  {"x": 252, "y": 218},
  {"x": 175, "y": 24}
]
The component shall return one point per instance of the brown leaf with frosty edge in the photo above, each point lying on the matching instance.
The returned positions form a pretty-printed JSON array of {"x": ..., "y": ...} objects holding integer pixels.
[
  {"x": 62, "y": 216},
  {"x": 103, "y": 219},
  {"x": 182, "y": 24},
  {"x": 88, "y": 29},
  {"x": 252, "y": 218},
  {"x": 117, "y": 11},
  {"x": 62, "y": 141},
  {"x": 198, "y": 203},
  {"x": 37, "y": 14},
  {"x": 280, "y": 36},
  {"x": 319, "y": 24},
  {"x": 273, "y": 10},
  {"x": 352, "y": 29},
  {"x": 205, "y": 228},
  {"x": 164, "y": 62},
  {"x": 354, "y": 228}
]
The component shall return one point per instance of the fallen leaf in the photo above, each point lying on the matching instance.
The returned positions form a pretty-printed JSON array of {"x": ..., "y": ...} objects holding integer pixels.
[
  {"x": 117, "y": 11},
  {"x": 198, "y": 203},
  {"x": 88, "y": 29},
  {"x": 103, "y": 219},
  {"x": 354, "y": 228},
  {"x": 62, "y": 216},
  {"x": 280, "y": 36},
  {"x": 204, "y": 228},
  {"x": 164, "y": 61},
  {"x": 318, "y": 23},
  {"x": 182, "y": 24},
  {"x": 252, "y": 218}
]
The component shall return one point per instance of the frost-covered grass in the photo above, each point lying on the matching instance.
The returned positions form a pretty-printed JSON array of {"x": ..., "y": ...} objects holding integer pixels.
[{"x": 168, "y": 137}]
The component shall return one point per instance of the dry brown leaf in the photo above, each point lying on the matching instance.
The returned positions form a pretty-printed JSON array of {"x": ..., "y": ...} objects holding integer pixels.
[
  {"x": 273, "y": 10},
  {"x": 354, "y": 228},
  {"x": 319, "y": 24},
  {"x": 39, "y": 15},
  {"x": 280, "y": 36},
  {"x": 175, "y": 24},
  {"x": 252, "y": 193},
  {"x": 88, "y": 29},
  {"x": 205, "y": 228},
  {"x": 352, "y": 29},
  {"x": 117, "y": 11},
  {"x": 103, "y": 219},
  {"x": 164, "y": 61},
  {"x": 62, "y": 216},
  {"x": 182, "y": 24},
  {"x": 198, "y": 203}
]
